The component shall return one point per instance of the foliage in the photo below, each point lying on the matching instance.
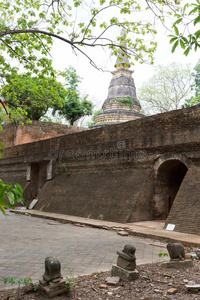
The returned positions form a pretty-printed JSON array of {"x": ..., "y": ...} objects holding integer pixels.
[
  {"x": 20, "y": 281},
  {"x": 36, "y": 287},
  {"x": 74, "y": 106},
  {"x": 166, "y": 90},
  {"x": 162, "y": 255},
  {"x": 195, "y": 86},
  {"x": 191, "y": 102},
  {"x": 186, "y": 35},
  {"x": 47, "y": 118},
  {"x": 127, "y": 101},
  {"x": 13, "y": 193},
  {"x": 19, "y": 42},
  {"x": 63, "y": 169},
  {"x": 95, "y": 114},
  {"x": 28, "y": 28},
  {"x": 69, "y": 280},
  {"x": 196, "y": 75},
  {"x": 3, "y": 115},
  {"x": 30, "y": 97},
  {"x": 146, "y": 275},
  {"x": 23, "y": 281}
]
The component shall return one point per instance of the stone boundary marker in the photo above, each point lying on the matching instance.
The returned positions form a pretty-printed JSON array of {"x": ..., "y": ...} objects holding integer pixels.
[
  {"x": 52, "y": 283},
  {"x": 53, "y": 289},
  {"x": 126, "y": 264}
]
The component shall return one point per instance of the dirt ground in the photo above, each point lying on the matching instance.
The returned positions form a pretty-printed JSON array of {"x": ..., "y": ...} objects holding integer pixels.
[{"x": 155, "y": 282}]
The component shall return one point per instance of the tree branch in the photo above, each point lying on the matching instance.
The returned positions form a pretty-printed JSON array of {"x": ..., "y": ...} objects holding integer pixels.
[
  {"x": 72, "y": 43},
  {"x": 14, "y": 51},
  {"x": 43, "y": 44},
  {"x": 2, "y": 103},
  {"x": 94, "y": 17}
]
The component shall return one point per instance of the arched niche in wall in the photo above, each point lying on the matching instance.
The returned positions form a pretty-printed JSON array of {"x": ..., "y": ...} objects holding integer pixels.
[{"x": 169, "y": 174}]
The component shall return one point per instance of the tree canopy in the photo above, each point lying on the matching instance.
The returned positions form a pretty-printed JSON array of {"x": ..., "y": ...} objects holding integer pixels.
[
  {"x": 94, "y": 115},
  {"x": 166, "y": 90},
  {"x": 28, "y": 28},
  {"x": 186, "y": 34},
  {"x": 195, "y": 87},
  {"x": 74, "y": 106},
  {"x": 30, "y": 97}
]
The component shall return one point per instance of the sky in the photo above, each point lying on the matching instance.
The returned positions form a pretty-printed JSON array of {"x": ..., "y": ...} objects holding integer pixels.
[{"x": 95, "y": 83}]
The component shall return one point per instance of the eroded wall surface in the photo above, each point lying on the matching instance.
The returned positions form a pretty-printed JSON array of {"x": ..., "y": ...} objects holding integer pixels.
[
  {"x": 109, "y": 173},
  {"x": 186, "y": 209},
  {"x": 13, "y": 134}
]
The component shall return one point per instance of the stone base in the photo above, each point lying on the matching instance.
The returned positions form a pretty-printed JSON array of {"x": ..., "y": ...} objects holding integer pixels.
[
  {"x": 53, "y": 289},
  {"x": 125, "y": 264},
  {"x": 124, "y": 274},
  {"x": 178, "y": 264}
]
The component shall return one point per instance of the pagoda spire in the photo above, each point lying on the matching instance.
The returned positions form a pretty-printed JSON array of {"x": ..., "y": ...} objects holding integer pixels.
[
  {"x": 121, "y": 104},
  {"x": 122, "y": 57}
]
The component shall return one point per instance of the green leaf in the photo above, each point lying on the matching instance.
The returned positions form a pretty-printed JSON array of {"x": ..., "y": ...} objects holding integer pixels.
[
  {"x": 187, "y": 51},
  {"x": 182, "y": 44},
  {"x": 197, "y": 33},
  {"x": 10, "y": 280},
  {"x": 19, "y": 188},
  {"x": 173, "y": 40},
  {"x": 6, "y": 204},
  {"x": 5, "y": 280},
  {"x": 193, "y": 11},
  {"x": 174, "y": 46},
  {"x": 197, "y": 20},
  {"x": 184, "y": 8},
  {"x": 2, "y": 146},
  {"x": 11, "y": 197},
  {"x": 176, "y": 30},
  {"x": 2, "y": 209},
  {"x": 184, "y": 39},
  {"x": 2, "y": 190},
  {"x": 178, "y": 21}
]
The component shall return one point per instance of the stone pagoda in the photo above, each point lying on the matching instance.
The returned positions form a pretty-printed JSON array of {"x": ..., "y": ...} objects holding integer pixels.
[{"x": 121, "y": 104}]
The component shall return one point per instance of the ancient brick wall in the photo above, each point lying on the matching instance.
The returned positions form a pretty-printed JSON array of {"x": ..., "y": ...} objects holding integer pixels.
[
  {"x": 13, "y": 134},
  {"x": 170, "y": 131},
  {"x": 186, "y": 208},
  {"x": 97, "y": 195},
  {"x": 109, "y": 173}
]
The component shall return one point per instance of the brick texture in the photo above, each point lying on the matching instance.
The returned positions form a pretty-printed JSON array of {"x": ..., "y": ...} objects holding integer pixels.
[
  {"x": 13, "y": 135},
  {"x": 111, "y": 172},
  {"x": 185, "y": 210}
]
